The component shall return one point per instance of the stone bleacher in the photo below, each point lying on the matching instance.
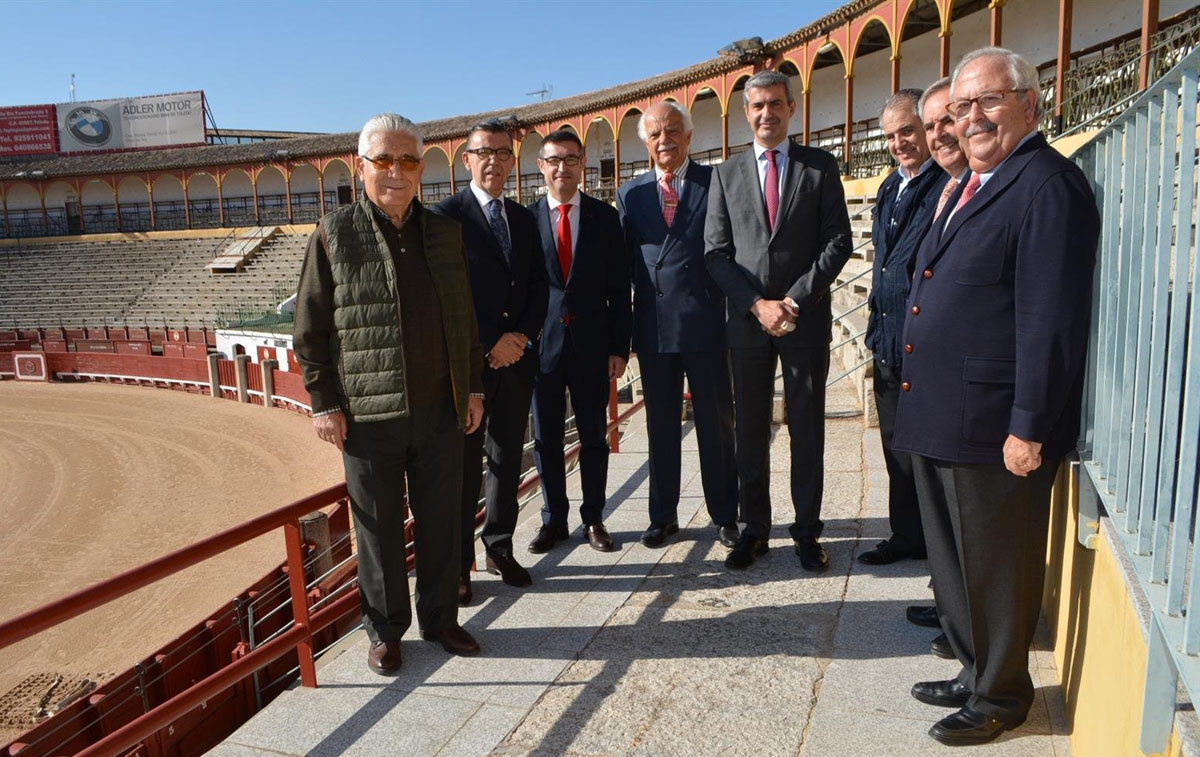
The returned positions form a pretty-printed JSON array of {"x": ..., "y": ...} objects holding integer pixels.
[{"x": 90, "y": 283}]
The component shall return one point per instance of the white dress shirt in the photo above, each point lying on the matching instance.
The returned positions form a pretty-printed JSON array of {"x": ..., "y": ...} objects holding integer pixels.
[
  {"x": 781, "y": 162},
  {"x": 484, "y": 199},
  {"x": 572, "y": 217}
]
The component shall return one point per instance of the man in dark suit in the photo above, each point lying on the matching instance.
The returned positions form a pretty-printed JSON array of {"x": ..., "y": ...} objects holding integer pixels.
[
  {"x": 942, "y": 139},
  {"x": 776, "y": 236},
  {"x": 903, "y": 212},
  {"x": 585, "y": 339},
  {"x": 679, "y": 324},
  {"x": 508, "y": 282},
  {"x": 996, "y": 338}
]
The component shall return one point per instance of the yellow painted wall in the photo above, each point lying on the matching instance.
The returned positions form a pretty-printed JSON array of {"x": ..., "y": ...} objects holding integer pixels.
[
  {"x": 1099, "y": 648},
  {"x": 140, "y": 236}
]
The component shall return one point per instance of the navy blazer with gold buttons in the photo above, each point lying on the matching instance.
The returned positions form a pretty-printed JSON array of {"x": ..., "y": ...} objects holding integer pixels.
[{"x": 998, "y": 315}]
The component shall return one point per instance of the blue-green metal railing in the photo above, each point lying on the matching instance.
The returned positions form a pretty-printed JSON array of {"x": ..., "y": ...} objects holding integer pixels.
[{"x": 1141, "y": 419}]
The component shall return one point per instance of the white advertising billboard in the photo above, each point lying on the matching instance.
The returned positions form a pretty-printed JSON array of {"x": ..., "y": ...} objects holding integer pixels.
[{"x": 133, "y": 123}]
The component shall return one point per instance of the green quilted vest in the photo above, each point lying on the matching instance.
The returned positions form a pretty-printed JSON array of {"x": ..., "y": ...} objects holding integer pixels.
[{"x": 366, "y": 339}]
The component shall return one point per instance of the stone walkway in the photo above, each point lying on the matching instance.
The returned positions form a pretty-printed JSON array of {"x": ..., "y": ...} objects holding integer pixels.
[{"x": 665, "y": 652}]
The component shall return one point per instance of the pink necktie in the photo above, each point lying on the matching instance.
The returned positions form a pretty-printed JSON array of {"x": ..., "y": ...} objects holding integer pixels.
[
  {"x": 670, "y": 200},
  {"x": 949, "y": 190},
  {"x": 771, "y": 190},
  {"x": 972, "y": 187}
]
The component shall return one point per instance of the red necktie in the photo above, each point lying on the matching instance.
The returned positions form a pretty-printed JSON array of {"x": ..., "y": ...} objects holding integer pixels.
[
  {"x": 564, "y": 240},
  {"x": 972, "y": 187},
  {"x": 771, "y": 190},
  {"x": 669, "y": 198}
]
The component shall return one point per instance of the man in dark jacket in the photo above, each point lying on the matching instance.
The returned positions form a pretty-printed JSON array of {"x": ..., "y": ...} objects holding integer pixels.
[
  {"x": 679, "y": 324},
  {"x": 386, "y": 340},
  {"x": 585, "y": 340},
  {"x": 995, "y": 343},
  {"x": 903, "y": 212},
  {"x": 508, "y": 282}
]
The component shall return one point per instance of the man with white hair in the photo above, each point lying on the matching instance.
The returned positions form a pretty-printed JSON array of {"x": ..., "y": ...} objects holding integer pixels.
[
  {"x": 995, "y": 344},
  {"x": 679, "y": 324},
  {"x": 387, "y": 342}
]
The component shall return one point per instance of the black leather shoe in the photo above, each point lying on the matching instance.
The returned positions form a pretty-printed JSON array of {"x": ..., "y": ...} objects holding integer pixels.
[
  {"x": 658, "y": 533},
  {"x": 728, "y": 535},
  {"x": 922, "y": 616},
  {"x": 940, "y": 646},
  {"x": 454, "y": 640},
  {"x": 744, "y": 552},
  {"x": 507, "y": 568},
  {"x": 464, "y": 590},
  {"x": 950, "y": 693},
  {"x": 885, "y": 553},
  {"x": 384, "y": 657},
  {"x": 812, "y": 554},
  {"x": 598, "y": 537},
  {"x": 547, "y": 537},
  {"x": 968, "y": 727}
]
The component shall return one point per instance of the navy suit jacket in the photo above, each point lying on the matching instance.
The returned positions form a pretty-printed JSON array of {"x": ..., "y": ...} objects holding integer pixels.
[
  {"x": 897, "y": 230},
  {"x": 595, "y": 294},
  {"x": 508, "y": 296},
  {"x": 998, "y": 315},
  {"x": 677, "y": 307}
]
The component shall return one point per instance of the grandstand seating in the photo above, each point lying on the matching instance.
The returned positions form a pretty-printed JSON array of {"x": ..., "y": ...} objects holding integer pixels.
[{"x": 155, "y": 281}]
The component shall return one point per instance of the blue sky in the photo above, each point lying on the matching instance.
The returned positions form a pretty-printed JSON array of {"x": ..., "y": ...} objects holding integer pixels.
[{"x": 328, "y": 66}]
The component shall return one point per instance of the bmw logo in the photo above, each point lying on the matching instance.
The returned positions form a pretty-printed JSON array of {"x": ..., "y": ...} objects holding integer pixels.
[{"x": 89, "y": 126}]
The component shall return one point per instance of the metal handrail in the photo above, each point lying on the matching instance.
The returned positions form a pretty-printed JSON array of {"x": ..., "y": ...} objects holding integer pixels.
[{"x": 1139, "y": 452}]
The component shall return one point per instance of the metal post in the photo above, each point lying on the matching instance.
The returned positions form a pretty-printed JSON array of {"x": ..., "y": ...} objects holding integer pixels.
[{"x": 295, "y": 563}]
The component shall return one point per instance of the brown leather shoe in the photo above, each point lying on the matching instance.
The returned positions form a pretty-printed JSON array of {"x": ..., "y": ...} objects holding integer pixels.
[
  {"x": 454, "y": 640},
  {"x": 464, "y": 590},
  {"x": 508, "y": 569},
  {"x": 547, "y": 537},
  {"x": 597, "y": 536},
  {"x": 384, "y": 657}
]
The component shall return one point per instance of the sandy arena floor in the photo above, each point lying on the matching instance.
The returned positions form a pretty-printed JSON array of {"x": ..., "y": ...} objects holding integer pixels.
[{"x": 97, "y": 479}]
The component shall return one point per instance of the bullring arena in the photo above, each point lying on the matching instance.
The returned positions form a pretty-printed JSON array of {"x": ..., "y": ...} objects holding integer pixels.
[
  {"x": 155, "y": 432},
  {"x": 99, "y": 479}
]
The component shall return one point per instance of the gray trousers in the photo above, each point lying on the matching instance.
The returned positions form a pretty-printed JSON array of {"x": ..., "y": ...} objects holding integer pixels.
[
  {"x": 985, "y": 530},
  {"x": 425, "y": 450}
]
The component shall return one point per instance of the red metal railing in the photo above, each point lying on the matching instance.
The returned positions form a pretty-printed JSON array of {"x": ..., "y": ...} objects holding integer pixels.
[{"x": 298, "y": 638}]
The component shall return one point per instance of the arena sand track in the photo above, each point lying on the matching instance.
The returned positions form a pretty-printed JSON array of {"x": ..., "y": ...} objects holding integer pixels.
[{"x": 97, "y": 479}]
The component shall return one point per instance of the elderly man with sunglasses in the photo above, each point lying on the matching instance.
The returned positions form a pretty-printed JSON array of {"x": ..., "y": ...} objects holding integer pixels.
[
  {"x": 388, "y": 347},
  {"x": 995, "y": 341},
  {"x": 508, "y": 282}
]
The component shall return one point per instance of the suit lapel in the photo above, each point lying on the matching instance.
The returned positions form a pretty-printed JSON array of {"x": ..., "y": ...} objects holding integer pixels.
[
  {"x": 541, "y": 211},
  {"x": 988, "y": 192},
  {"x": 750, "y": 174},
  {"x": 790, "y": 180},
  {"x": 586, "y": 219}
]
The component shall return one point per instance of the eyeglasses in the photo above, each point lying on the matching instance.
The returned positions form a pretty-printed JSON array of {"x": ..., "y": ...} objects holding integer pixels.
[
  {"x": 406, "y": 162},
  {"x": 485, "y": 153},
  {"x": 569, "y": 160},
  {"x": 988, "y": 102}
]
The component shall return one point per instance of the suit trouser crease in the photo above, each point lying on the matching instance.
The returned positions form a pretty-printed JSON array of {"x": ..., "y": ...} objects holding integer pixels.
[
  {"x": 985, "y": 530},
  {"x": 423, "y": 455},
  {"x": 501, "y": 437},
  {"x": 586, "y": 378},
  {"x": 805, "y": 370},
  {"x": 708, "y": 380},
  {"x": 904, "y": 514}
]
